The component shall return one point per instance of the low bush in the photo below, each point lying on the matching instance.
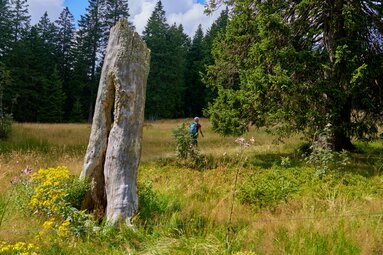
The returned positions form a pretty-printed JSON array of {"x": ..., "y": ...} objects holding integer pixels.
[
  {"x": 269, "y": 188},
  {"x": 188, "y": 155},
  {"x": 183, "y": 142}
]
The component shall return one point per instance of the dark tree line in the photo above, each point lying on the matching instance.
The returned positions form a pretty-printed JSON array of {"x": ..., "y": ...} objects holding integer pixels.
[{"x": 50, "y": 71}]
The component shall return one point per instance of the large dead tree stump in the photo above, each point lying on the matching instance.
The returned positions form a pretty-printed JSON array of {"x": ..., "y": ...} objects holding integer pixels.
[{"x": 114, "y": 148}]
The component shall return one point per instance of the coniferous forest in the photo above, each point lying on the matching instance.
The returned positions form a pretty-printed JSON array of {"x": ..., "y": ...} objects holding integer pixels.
[{"x": 49, "y": 71}]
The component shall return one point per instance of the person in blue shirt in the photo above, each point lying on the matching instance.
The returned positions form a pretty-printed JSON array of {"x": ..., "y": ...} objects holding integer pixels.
[{"x": 194, "y": 129}]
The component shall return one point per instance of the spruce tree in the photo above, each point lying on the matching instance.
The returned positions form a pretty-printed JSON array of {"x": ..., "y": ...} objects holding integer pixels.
[
  {"x": 165, "y": 81},
  {"x": 66, "y": 40},
  {"x": 300, "y": 66},
  {"x": 48, "y": 33},
  {"x": 52, "y": 99},
  {"x": 155, "y": 37},
  {"x": 195, "y": 91},
  {"x": 77, "y": 112},
  {"x": 177, "y": 47},
  {"x": 89, "y": 50},
  {"x": 81, "y": 69},
  {"x": 218, "y": 27},
  {"x": 26, "y": 61},
  {"x": 112, "y": 12},
  {"x": 20, "y": 19},
  {"x": 5, "y": 81},
  {"x": 21, "y": 91},
  {"x": 115, "y": 9},
  {"x": 5, "y": 27}
]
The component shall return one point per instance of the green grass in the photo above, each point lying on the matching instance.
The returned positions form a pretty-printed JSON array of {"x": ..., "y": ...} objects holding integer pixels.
[{"x": 277, "y": 206}]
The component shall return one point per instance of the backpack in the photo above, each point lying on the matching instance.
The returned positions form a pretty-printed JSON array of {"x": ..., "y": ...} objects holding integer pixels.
[{"x": 193, "y": 130}]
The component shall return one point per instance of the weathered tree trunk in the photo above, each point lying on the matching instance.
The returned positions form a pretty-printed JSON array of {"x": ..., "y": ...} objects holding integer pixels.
[{"x": 114, "y": 149}]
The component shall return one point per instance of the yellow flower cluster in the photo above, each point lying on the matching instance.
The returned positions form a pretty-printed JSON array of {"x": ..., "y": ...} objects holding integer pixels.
[
  {"x": 49, "y": 194},
  {"x": 63, "y": 229},
  {"x": 18, "y": 248},
  {"x": 50, "y": 200},
  {"x": 53, "y": 227},
  {"x": 49, "y": 224}
]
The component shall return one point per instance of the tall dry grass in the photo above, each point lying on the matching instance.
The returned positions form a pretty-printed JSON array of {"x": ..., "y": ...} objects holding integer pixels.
[{"x": 207, "y": 217}]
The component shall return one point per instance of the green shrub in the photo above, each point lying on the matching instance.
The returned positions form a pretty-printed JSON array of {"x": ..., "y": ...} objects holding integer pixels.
[
  {"x": 323, "y": 157},
  {"x": 270, "y": 187},
  {"x": 325, "y": 160},
  {"x": 187, "y": 154},
  {"x": 76, "y": 191},
  {"x": 183, "y": 142}
]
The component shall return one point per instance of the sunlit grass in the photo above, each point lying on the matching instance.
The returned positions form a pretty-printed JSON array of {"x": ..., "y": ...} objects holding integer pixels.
[{"x": 339, "y": 216}]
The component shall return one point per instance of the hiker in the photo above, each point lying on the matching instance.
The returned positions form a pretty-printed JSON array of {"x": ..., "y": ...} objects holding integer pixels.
[{"x": 194, "y": 128}]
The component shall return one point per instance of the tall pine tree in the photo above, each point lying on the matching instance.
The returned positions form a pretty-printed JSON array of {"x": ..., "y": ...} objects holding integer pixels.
[
  {"x": 17, "y": 58},
  {"x": 165, "y": 81},
  {"x": 88, "y": 52},
  {"x": 49, "y": 36},
  {"x": 112, "y": 12},
  {"x": 115, "y": 9},
  {"x": 157, "y": 88},
  {"x": 66, "y": 40},
  {"x": 27, "y": 66},
  {"x": 52, "y": 99},
  {"x": 195, "y": 91},
  {"x": 5, "y": 27},
  {"x": 177, "y": 47},
  {"x": 20, "y": 18}
]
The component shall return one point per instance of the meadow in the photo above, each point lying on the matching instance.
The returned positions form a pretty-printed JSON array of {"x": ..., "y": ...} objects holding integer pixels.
[{"x": 257, "y": 198}]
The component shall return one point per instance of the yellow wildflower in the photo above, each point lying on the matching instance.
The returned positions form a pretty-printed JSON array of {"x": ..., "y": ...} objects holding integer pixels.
[
  {"x": 63, "y": 229},
  {"x": 47, "y": 225}
]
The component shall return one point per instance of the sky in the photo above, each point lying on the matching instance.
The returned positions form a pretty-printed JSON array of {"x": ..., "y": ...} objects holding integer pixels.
[{"x": 189, "y": 13}]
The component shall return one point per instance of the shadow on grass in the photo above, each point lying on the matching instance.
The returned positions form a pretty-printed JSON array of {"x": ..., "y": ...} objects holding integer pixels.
[
  {"x": 27, "y": 144},
  {"x": 267, "y": 161},
  {"x": 367, "y": 160},
  {"x": 39, "y": 145}
]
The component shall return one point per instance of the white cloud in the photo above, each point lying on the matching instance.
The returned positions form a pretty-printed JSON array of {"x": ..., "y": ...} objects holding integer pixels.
[
  {"x": 192, "y": 18},
  {"x": 139, "y": 14},
  {"x": 38, "y": 7},
  {"x": 189, "y": 13}
]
